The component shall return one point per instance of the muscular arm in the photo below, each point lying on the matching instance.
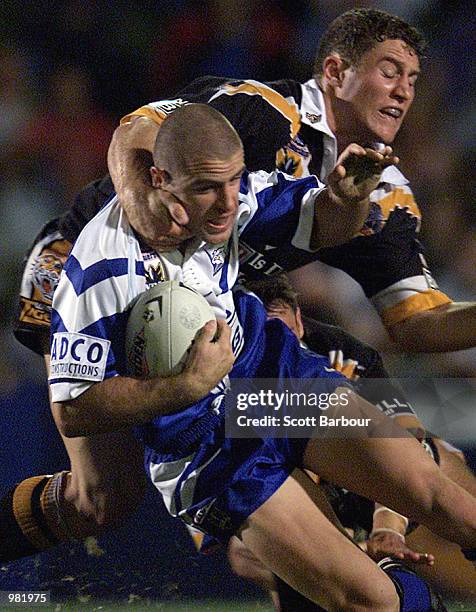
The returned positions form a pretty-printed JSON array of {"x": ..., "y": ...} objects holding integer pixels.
[
  {"x": 451, "y": 327},
  {"x": 130, "y": 157},
  {"x": 122, "y": 401}
]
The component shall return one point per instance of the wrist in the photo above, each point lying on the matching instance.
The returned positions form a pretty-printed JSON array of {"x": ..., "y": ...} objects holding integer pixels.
[{"x": 390, "y": 530}]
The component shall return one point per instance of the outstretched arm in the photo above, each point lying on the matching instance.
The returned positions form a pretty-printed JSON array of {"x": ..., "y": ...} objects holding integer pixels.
[
  {"x": 450, "y": 327},
  {"x": 341, "y": 209},
  {"x": 122, "y": 401}
]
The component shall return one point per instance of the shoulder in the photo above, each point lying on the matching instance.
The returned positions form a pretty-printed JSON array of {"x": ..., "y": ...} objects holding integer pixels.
[{"x": 104, "y": 237}]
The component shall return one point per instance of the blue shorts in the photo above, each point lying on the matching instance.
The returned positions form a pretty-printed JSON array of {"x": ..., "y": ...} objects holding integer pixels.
[
  {"x": 214, "y": 482},
  {"x": 225, "y": 481}
]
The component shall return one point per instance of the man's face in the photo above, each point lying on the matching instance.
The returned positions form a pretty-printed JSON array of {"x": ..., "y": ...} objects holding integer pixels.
[
  {"x": 208, "y": 191},
  {"x": 378, "y": 92},
  {"x": 283, "y": 311}
]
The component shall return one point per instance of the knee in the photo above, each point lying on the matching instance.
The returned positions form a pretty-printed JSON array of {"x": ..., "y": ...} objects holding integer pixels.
[
  {"x": 245, "y": 565},
  {"x": 379, "y": 595}
]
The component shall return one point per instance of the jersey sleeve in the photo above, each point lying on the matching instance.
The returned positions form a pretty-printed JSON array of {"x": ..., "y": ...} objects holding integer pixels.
[
  {"x": 263, "y": 118},
  {"x": 41, "y": 274},
  {"x": 89, "y": 315},
  {"x": 387, "y": 258},
  {"x": 281, "y": 211}
]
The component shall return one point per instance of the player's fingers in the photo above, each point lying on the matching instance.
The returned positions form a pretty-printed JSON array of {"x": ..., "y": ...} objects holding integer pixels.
[
  {"x": 174, "y": 207},
  {"x": 178, "y": 213},
  {"x": 223, "y": 331},
  {"x": 208, "y": 332}
]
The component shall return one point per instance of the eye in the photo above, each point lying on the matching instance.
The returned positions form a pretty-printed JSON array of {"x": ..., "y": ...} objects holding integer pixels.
[
  {"x": 205, "y": 188},
  {"x": 389, "y": 73}
]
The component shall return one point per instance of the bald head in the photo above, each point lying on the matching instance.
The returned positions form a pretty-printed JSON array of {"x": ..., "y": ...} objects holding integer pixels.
[{"x": 192, "y": 133}]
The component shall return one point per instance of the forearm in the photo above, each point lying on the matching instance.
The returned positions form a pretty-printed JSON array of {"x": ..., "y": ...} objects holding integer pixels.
[
  {"x": 336, "y": 221},
  {"x": 450, "y": 327},
  {"x": 130, "y": 156},
  {"x": 120, "y": 402}
]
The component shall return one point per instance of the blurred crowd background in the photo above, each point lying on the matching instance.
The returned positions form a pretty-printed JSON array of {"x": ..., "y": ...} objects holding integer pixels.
[{"x": 69, "y": 69}]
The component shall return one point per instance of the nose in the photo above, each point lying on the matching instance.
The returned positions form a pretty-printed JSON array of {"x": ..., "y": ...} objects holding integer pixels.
[
  {"x": 403, "y": 90},
  {"x": 227, "y": 198}
]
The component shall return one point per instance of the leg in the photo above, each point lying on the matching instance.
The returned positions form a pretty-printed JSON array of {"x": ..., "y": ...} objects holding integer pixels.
[
  {"x": 292, "y": 536},
  {"x": 423, "y": 494},
  {"x": 452, "y": 574},
  {"x": 106, "y": 483},
  {"x": 244, "y": 564}
]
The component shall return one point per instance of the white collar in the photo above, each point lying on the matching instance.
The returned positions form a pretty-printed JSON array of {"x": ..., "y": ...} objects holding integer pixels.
[{"x": 313, "y": 109}]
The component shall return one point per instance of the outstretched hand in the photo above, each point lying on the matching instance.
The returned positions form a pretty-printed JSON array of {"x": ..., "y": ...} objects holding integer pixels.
[
  {"x": 358, "y": 170},
  {"x": 386, "y": 544}
]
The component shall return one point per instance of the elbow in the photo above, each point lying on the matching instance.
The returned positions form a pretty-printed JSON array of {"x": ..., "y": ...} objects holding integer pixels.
[{"x": 68, "y": 420}]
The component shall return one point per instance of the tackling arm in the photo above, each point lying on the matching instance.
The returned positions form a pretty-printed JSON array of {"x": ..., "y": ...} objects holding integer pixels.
[
  {"x": 450, "y": 327},
  {"x": 130, "y": 157}
]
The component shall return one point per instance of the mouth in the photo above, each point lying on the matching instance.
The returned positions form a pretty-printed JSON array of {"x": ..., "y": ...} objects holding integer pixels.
[
  {"x": 392, "y": 112},
  {"x": 219, "y": 224}
]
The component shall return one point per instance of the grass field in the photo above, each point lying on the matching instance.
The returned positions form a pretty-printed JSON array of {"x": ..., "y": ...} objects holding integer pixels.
[{"x": 203, "y": 606}]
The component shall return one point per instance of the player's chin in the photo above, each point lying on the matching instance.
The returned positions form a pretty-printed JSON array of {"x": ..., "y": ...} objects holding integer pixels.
[
  {"x": 386, "y": 131},
  {"x": 215, "y": 234}
]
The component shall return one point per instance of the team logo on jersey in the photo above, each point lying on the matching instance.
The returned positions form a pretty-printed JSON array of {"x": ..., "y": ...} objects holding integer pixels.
[
  {"x": 154, "y": 274},
  {"x": 313, "y": 117},
  {"x": 46, "y": 273},
  {"x": 168, "y": 106},
  {"x": 217, "y": 258},
  {"x": 293, "y": 158}
]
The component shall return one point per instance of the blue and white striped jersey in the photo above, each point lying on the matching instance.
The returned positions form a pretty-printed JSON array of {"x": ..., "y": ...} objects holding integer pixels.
[{"x": 107, "y": 270}]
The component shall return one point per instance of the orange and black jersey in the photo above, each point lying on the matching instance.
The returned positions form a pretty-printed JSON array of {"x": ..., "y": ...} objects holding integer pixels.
[{"x": 283, "y": 125}]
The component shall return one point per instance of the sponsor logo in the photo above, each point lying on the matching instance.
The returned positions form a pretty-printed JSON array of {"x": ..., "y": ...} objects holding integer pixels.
[
  {"x": 168, "y": 106},
  {"x": 257, "y": 261},
  {"x": 78, "y": 356},
  {"x": 35, "y": 313},
  {"x": 313, "y": 117}
]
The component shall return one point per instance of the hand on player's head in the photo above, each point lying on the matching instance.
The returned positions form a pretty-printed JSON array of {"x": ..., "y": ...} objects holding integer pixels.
[
  {"x": 358, "y": 171},
  {"x": 160, "y": 220}
]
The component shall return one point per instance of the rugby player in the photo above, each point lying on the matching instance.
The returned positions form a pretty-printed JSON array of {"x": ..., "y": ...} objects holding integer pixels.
[
  {"x": 92, "y": 495},
  {"x": 222, "y": 485}
]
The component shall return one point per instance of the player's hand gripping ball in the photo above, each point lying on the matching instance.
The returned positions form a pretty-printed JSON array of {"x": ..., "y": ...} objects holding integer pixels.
[{"x": 162, "y": 325}]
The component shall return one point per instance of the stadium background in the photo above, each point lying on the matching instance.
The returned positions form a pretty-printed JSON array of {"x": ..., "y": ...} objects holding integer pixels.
[{"x": 68, "y": 71}]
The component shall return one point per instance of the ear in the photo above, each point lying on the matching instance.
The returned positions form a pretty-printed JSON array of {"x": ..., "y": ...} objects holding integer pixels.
[
  {"x": 333, "y": 69},
  {"x": 158, "y": 177},
  {"x": 299, "y": 323}
]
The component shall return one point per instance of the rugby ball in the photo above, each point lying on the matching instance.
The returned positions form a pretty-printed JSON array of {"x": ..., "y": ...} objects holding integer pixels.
[{"x": 161, "y": 326}]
